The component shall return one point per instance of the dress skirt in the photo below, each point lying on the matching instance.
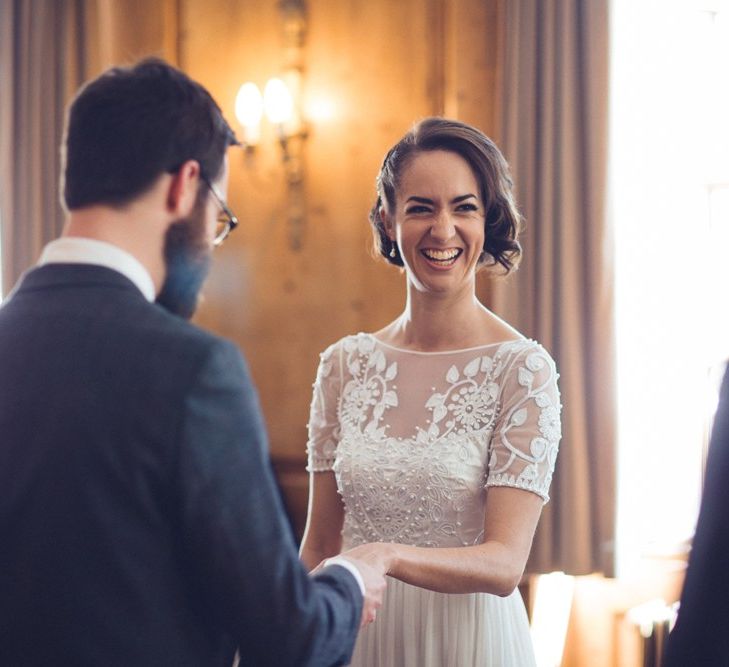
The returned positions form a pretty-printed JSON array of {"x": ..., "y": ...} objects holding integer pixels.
[{"x": 420, "y": 628}]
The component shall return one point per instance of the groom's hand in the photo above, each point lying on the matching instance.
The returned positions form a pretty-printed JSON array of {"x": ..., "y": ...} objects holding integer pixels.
[
  {"x": 378, "y": 558},
  {"x": 374, "y": 583}
]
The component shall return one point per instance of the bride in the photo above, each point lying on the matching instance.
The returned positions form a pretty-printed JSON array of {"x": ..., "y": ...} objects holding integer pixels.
[{"x": 432, "y": 441}]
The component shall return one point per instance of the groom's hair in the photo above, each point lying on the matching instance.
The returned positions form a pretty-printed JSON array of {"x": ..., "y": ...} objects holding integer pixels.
[{"x": 132, "y": 124}]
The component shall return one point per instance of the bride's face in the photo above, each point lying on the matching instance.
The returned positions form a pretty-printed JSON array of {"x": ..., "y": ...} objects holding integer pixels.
[{"x": 438, "y": 221}]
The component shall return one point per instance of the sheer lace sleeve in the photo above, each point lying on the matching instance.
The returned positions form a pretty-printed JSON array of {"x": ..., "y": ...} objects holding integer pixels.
[
  {"x": 526, "y": 437},
  {"x": 323, "y": 418}
]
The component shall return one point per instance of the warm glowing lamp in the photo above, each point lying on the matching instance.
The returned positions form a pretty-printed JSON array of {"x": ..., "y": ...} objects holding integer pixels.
[
  {"x": 278, "y": 103},
  {"x": 282, "y": 103},
  {"x": 248, "y": 111},
  {"x": 320, "y": 109}
]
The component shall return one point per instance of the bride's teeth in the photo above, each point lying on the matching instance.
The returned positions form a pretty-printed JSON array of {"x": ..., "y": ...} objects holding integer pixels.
[{"x": 441, "y": 255}]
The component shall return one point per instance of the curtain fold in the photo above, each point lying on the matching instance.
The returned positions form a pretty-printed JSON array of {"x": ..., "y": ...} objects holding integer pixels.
[
  {"x": 41, "y": 65},
  {"x": 553, "y": 130}
]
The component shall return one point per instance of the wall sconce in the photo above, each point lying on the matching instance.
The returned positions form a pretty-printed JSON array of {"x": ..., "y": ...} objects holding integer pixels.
[{"x": 281, "y": 105}]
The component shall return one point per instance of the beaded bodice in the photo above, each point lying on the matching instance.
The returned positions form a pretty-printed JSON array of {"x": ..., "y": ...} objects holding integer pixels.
[{"x": 416, "y": 438}]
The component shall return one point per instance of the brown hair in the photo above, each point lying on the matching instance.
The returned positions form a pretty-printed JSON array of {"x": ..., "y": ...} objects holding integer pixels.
[
  {"x": 132, "y": 124},
  {"x": 502, "y": 221}
]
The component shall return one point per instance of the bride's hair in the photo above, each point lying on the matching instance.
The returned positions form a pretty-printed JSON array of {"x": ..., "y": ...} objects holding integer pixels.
[{"x": 502, "y": 220}]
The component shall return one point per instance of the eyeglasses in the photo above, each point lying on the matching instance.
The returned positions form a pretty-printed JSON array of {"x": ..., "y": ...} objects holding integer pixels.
[{"x": 226, "y": 221}]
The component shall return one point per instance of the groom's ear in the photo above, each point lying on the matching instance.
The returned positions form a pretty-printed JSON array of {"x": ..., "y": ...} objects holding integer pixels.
[{"x": 183, "y": 189}]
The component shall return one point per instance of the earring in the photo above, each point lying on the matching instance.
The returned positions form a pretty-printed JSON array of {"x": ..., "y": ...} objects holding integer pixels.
[{"x": 393, "y": 250}]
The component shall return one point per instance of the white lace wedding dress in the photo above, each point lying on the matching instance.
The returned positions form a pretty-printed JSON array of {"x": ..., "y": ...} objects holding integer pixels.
[{"x": 415, "y": 439}]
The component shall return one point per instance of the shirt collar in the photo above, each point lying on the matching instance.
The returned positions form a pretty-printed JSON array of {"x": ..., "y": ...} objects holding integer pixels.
[{"x": 77, "y": 250}]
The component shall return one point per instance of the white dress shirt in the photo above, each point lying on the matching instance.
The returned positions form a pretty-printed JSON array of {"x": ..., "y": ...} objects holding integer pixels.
[
  {"x": 78, "y": 250},
  {"x": 347, "y": 565}
]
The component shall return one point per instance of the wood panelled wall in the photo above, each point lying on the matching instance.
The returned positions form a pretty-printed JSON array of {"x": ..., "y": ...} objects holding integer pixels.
[{"x": 381, "y": 65}]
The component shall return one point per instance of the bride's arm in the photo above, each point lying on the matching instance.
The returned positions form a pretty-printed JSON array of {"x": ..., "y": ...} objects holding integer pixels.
[
  {"x": 496, "y": 566},
  {"x": 523, "y": 447},
  {"x": 323, "y": 532}
]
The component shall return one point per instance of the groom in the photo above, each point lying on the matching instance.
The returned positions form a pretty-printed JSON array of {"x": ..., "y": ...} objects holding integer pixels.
[{"x": 139, "y": 520}]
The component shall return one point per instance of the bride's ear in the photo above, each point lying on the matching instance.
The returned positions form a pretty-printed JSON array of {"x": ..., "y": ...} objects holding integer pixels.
[{"x": 387, "y": 222}]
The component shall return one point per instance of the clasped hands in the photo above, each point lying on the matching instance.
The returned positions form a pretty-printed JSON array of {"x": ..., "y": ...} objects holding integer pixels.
[{"x": 373, "y": 561}]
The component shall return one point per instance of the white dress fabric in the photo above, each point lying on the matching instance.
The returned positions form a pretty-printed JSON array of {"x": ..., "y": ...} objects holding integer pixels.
[{"x": 415, "y": 439}]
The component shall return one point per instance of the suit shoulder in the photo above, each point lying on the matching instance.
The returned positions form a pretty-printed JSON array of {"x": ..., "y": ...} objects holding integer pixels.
[
  {"x": 177, "y": 342},
  {"x": 173, "y": 327}
]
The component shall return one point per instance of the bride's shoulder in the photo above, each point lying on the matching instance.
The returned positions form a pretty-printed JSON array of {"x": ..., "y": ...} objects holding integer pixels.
[
  {"x": 348, "y": 343},
  {"x": 512, "y": 344},
  {"x": 527, "y": 353}
]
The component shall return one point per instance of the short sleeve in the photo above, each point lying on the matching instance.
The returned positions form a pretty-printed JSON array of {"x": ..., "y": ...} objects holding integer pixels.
[
  {"x": 526, "y": 437},
  {"x": 324, "y": 414}
]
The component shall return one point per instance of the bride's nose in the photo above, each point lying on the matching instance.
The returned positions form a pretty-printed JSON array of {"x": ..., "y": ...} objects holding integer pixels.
[{"x": 442, "y": 228}]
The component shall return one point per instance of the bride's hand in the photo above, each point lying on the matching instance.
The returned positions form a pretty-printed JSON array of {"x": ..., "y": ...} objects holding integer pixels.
[
  {"x": 379, "y": 555},
  {"x": 372, "y": 570}
]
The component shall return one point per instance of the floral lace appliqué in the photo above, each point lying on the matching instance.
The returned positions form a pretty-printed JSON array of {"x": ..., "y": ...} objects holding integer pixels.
[
  {"x": 513, "y": 464},
  {"x": 491, "y": 419},
  {"x": 366, "y": 395},
  {"x": 469, "y": 405}
]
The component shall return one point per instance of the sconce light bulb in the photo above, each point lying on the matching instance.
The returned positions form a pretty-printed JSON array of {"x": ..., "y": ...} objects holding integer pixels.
[
  {"x": 249, "y": 110},
  {"x": 278, "y": 102}
]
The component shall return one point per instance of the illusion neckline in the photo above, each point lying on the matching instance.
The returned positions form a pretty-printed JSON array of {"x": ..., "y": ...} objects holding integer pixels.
[{"x": 464, "y": 349}]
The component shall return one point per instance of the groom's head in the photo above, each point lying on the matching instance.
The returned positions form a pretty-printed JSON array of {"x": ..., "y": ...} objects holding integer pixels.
[
  {"x": 131, "y": 124},
  {"x": 126, "y": 129}
]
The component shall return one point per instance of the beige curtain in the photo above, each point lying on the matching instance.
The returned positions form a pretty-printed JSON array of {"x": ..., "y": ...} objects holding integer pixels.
[
  {"x": 41, "y": 64},
  {"x": 47, "y": 49},
  {"x": 553, "y": 129}
]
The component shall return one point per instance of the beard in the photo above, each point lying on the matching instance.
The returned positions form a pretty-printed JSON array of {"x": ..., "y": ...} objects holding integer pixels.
[{"x": 187, "y": 256}]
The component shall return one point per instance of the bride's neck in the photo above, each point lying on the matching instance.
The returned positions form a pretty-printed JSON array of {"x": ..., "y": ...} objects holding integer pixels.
[{"x": 433, "y": 322}]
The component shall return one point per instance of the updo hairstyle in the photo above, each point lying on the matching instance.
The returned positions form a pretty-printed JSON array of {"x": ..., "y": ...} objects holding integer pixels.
[{"x": 502, "y": 221}]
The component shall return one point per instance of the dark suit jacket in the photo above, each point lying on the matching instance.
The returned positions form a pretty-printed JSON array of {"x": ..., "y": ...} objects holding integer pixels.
[
  {"x": 701, "y": 635},
  {"x": 139, "y": 520}
]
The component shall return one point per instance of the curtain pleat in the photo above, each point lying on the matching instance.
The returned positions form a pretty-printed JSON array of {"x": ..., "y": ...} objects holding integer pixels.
[
  {"x": 553, "y": 129},
  {"x": 41, "y": 64}
]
